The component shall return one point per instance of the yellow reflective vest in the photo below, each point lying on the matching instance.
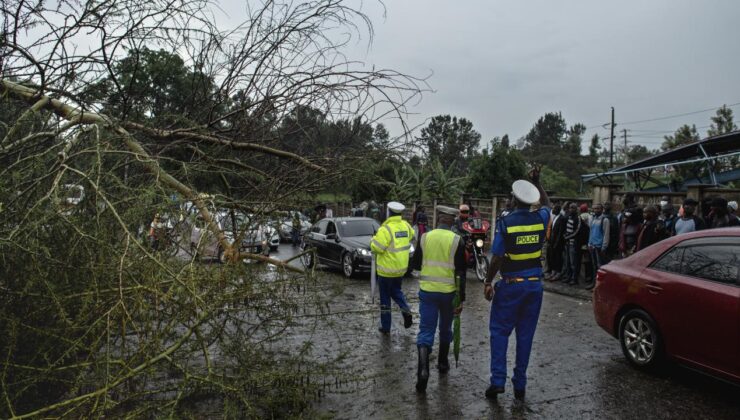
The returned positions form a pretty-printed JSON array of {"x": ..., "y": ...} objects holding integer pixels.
[
  {"x": 391, "y": 245},
  {"x": 438, "y": 249}
]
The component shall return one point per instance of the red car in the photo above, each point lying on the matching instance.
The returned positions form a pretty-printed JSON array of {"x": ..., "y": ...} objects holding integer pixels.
[{"x": 678, "y": 299}]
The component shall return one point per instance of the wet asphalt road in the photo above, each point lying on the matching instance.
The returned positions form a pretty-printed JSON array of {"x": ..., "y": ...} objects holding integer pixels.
[{"x": 576, "y": 369}]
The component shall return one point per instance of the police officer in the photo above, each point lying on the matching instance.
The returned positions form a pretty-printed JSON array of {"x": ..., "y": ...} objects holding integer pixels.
[
  {"x": 516, "y": 249},
  {"x": 391, "y": 245},
  {"x": 442, "y": 256}
]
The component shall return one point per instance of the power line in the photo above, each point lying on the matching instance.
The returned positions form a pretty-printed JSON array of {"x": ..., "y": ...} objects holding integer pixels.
[{"x": 667, "y": 117}]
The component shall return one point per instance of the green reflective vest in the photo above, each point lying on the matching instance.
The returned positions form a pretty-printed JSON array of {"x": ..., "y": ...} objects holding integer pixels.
[
  {"x": 438, "y": 249},
  {"x": 391, "y": 245}
]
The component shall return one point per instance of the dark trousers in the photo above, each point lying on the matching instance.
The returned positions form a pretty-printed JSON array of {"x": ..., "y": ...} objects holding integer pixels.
[
  {"x": 516, "y": 306},
  {"x": 295, "y": 236},
  {"x": 574, "y": 262},
  {"x": 433, "y": 307},
  {"x": 390, "y": 288},
  {"x": 555, "y": 258},
  {"x": 597, "y": 260}
]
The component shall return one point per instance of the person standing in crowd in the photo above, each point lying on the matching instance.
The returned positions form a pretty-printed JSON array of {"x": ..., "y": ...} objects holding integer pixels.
[
  {"x": 598, "y": 242},
  {"x": 507, "y": 208},
  {"x": 688, "y": 222},
  {"x": 631, "y": 222},
  {"x": 613, "y": 248},
  {"x": 652, "y": 230},
  {"x": 443, "y": 274},
  {"x": 573, "y": 249},
  {"x": 668, "y": 218},
  {"x": 732, "y": 209},
  {"x": 391, "y": 245},
  {"x": 582, "y": 239},
  {"x": 295, "y": 232},
  {"x": 556, "y": 244},
  {"x": 719, "y": 216},
  {"x": 421, "y": 220},
  {"x": 516, "y": 249}
]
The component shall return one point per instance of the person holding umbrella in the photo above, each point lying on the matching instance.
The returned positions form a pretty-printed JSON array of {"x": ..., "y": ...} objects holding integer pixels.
[
  {"x": 517, "y": 297},
  {"x": 441, "y": 292}
]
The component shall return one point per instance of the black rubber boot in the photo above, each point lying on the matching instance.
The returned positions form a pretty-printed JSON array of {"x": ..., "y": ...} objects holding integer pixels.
[
  {"x": 407, "y": 319},
  {"x": 493, "y": 391},
  {"x": 422, "y": 373},
  {"x": 443, "y": 364}
]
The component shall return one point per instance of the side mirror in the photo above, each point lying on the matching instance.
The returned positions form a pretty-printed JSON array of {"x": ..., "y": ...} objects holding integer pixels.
[{"x": 331, "y": 236}]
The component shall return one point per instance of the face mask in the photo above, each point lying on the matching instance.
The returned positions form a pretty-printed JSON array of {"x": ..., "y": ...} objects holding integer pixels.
[{"x": 663, "y": 203}]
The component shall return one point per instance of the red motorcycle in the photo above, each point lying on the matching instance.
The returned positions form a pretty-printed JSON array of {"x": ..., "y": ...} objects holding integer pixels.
[{"x": 476, "y": 231}]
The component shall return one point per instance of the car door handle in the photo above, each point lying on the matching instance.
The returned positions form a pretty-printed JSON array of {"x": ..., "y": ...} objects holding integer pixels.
[{"x": 653, "y": 288}]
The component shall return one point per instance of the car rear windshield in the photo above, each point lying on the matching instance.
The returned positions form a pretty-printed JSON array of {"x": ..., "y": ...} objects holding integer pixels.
[{"x": 358, "y": 227}]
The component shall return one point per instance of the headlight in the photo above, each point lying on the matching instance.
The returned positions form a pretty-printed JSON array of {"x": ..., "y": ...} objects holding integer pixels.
[
  {"x": 479, "y": 243},
  {"x": 364, "y": 252}
]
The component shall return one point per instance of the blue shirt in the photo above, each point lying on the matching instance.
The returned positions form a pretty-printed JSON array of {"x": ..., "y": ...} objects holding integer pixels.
[{"x": 516, "y": 218}]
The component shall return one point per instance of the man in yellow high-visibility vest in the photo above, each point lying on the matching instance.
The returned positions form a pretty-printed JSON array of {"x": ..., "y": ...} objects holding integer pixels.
[
  {"x": 441, "y": 255},
  {"x": 391, "y": 246}
]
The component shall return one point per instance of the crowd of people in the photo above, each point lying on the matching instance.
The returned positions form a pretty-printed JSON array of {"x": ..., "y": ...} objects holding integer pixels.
[{"x": 579, "y": 239}]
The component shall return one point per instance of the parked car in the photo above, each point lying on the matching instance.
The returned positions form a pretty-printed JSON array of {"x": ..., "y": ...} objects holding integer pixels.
[
  {"x": 285, "y": 227},
  {"x": 341, "y": 242},
  {"x": 259, "y": 238},
  {"x": 677, "y": 299}
]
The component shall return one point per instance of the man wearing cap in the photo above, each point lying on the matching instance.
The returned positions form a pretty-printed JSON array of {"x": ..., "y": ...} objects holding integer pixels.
[
  {"x": 516, "y": 249},
  {"x": 442, "y": 259},
  {"x": 391, "y": 246}
]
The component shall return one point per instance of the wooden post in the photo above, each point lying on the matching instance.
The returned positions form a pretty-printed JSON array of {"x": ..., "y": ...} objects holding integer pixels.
[
  {"x": 494, "y": 209},
  {"x": 434, "y": 214}
]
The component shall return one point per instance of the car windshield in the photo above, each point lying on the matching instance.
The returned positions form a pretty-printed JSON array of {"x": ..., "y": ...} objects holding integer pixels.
[{"x": 349, "y": 228}]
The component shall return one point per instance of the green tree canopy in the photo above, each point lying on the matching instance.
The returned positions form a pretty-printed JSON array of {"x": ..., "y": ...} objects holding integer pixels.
[
  {"x": 722, "y": 122},
  {"x": 495, "y": 169},
  {"x": 684, "y": 135},
  {"x": 451, "y": 141}
]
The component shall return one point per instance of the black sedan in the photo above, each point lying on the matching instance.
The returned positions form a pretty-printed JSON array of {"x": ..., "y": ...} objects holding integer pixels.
[{"x": 341, "y": 242}]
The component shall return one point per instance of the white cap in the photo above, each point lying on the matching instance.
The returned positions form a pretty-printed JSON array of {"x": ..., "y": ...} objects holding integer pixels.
[
  {"x": 733, "y": 205},
  {"x": 396, "y": 207},
  {"x": 525, "y": 192}
]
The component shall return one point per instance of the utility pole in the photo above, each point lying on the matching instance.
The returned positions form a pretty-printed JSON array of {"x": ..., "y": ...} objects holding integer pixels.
[
  {"x": 624, "y": 131},
  {"x": 611, "y": 143}
]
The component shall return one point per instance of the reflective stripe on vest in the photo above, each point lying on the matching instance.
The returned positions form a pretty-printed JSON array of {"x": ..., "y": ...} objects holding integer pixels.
[
  {"x": 394, "y": 260},
  {"x": 523, "y": 244},
  {"x": 438, "y": 265}
]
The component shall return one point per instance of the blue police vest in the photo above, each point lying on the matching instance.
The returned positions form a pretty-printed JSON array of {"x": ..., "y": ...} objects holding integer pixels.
[{"x": 523, "y": 239}]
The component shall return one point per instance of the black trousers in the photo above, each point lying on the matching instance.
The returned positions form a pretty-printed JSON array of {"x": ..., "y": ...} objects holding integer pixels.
[{"x": 555, "y": 258}]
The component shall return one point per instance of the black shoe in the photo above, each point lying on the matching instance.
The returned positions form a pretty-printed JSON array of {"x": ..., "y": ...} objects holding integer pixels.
[
  {"x": 407, "y": 319},
  {"x": 443, "y": 364},
  {"x": 519, "y": 394},
  {"x": 422, "y": 372},
  {"x": 493, "y": 391},
  {"x": 384, "y": 331}
]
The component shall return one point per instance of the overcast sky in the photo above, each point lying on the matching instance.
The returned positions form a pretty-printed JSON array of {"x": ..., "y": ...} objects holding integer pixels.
[{"x": 503, "y": 64}]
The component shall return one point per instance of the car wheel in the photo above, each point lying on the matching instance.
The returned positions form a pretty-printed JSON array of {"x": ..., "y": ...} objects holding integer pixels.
[
  {"x": 308, "y": 259},
  {"x": 641, "y": 343},
  {"x": 348, "y": 265}
]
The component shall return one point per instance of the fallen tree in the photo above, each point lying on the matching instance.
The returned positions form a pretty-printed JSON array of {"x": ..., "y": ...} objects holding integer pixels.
[{"x": 132, "y": 104}]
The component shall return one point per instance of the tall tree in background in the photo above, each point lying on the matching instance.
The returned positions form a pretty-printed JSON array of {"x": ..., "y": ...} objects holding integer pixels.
[
  {"x": 722, "y": 122},
  {"x": 684, "y": 135},
  {"x": 593, "y": 151},
  {"x": 451, "y": 141},
  {"x": 495, "y": 169},
  {"x": 551, "y": 143}
]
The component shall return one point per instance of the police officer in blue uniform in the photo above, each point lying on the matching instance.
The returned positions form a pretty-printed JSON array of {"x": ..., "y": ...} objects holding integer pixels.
[{"x": 517, "y": 297}]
